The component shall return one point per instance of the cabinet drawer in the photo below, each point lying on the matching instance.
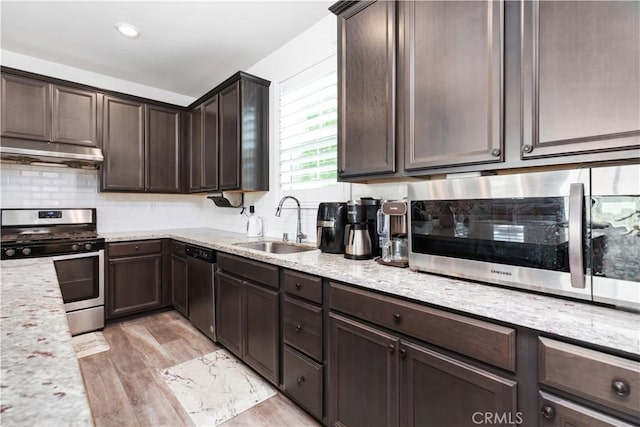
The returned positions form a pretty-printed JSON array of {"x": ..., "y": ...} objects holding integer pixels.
[
  {"x": 177, "y": 248},
  {"x": 140, "y": 247},
  {"x": 250, "y": 270},
  {"x": 303, "y": 381},
  {"x": 555, "y": 411},
  {"x": 302, "y": 324},
  {"x": 477, "y": 339},
  {"x": 302, "y": 285},
  {"x": 610, "y": 380}
]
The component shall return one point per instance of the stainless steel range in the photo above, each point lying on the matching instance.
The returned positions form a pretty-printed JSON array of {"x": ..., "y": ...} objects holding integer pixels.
[{"x": 70, "y": 238}]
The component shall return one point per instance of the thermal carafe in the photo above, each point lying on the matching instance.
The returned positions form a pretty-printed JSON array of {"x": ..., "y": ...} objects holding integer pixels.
[
  {"x": 358, "y": 241},
  {"x": 331, "y": 223}
]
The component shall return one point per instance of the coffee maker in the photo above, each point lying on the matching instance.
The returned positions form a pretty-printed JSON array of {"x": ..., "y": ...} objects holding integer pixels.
[
  {"x": 331, "y": 223},
  {"x": 361, "y": 237},
  {"x": 392, "y": 229}
]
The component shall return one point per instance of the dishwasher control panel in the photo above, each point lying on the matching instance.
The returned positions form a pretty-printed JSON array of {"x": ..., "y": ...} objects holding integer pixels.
[{"x": 204, "y": 254}]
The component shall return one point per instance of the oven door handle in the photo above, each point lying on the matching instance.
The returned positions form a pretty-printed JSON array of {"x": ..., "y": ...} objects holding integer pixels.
[
  {"x": 576, "y": 249},
  {"x": 75, "y": 256}
]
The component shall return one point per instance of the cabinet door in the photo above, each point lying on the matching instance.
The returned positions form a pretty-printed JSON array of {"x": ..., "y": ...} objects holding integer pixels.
[
  {"x": 179, "y": 284},
  {"x": 162, "y": 133},
  {"x": 229, "y": 137},
  {"x": 210, "y": 145},
  {"x": 262, "y": 344},
  {"x": 362, "y": 375},
  {"x": 366, "y": 89},
  {"x": 438, "y": 390},
  {"x": 26, "y": 108},
  {"x": 228, "y": 312},
  {"x": 451, "y": 67},
  {"x": 135, "y": 284},
  {"x": 123, "y": 139},
  {"x": 580, "y": 77},
  {"x": 195, "y": 150},
  {"x": 74, "y": 116}
]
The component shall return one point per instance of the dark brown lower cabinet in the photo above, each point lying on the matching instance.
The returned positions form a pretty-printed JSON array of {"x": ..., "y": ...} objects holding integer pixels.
[
  {"x": 363, "y": 375},
  {"x": 179, "y": 287},
  {"x": 377, "y": 379},
  {"x": 437, "y": 390},
  {"x": 228, "y": 312},
  {"x": 261, "y": 330},
  {"x": 135, "y": 284},
  {"x": 247, "y": 320}
]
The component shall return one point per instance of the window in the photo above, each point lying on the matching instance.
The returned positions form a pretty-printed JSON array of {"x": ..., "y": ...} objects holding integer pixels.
[{"x": 308, "y": 128}]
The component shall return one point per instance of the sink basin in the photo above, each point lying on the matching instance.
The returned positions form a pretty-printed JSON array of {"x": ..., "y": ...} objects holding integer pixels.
[{"x": 277, "y": 247}]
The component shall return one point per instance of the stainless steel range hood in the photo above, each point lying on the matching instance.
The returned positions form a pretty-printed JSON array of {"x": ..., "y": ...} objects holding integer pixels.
[{"x": 27, "y": 152}]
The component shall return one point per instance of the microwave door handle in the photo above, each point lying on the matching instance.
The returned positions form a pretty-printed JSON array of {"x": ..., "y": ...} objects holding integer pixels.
[{"x": 576, "y": 250}]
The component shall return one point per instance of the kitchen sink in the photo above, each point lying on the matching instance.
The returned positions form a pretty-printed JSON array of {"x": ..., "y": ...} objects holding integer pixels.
[{"x": 277, "y": 247}]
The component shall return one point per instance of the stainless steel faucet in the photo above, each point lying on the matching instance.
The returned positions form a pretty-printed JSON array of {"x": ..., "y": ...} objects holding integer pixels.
[{"x": 299, "y": 234}]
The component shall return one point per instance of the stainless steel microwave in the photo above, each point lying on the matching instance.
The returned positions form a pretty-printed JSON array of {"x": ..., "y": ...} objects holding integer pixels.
[{"x": 574, "y": 233}]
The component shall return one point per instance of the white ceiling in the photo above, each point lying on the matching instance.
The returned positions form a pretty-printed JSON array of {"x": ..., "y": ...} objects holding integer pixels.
[{"x": 184, "y": 47}]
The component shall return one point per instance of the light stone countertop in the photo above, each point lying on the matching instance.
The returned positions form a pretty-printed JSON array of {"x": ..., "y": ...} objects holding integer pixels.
[
  {"x": 40, "y": 379},
  {"x": 599, "y": 326}
]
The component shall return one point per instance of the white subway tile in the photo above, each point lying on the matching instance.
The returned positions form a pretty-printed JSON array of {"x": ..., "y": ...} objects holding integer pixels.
[{"x": 28, "y": 172}]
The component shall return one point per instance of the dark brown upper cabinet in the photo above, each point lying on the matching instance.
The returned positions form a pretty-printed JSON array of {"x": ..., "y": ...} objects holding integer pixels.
[
  {"x": 75, "y": 116},
  {"x": 37, "y": 110},
  {"x": 366, "y": 88},
  {"x": 580, "y": 78},
  {"x": 141, "y": 146},
  {"x": 450, "y": 66},
  {"x": 229, "y": 144},
  {"x": 203, "y": 147},
  {"x": 162, "y": 141},
  {"x": 26, "y": 108},
  {"x": 229, "y": 137}
]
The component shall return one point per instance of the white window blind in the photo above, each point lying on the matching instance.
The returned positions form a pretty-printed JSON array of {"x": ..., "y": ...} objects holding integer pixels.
[{"x": 308, "y": 127}]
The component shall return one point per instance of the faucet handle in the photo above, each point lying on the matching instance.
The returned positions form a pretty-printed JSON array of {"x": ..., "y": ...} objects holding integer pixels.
[{"x": 285, "y": 237}]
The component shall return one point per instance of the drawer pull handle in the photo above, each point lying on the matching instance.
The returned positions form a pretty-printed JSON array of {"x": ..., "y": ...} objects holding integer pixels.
[
  {"x": 391, "y": 348},
  {"x": 300, "y": 380},
  {"x": 298, "y": 327},
  {"x": 548, "y": 412},
  {"x": 620, "y": 388},
  {"x": 396, "y": 317},
  {"x": 298, "y": 285}
]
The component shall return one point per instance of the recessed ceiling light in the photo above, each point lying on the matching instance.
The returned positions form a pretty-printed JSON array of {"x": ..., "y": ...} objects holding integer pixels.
[{"x": 128, "y": 30}]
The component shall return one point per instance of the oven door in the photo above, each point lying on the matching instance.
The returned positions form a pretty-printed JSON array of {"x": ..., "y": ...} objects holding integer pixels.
[
  {"x": 525, "y": 230},
  {"x": 81, "y": 279}
]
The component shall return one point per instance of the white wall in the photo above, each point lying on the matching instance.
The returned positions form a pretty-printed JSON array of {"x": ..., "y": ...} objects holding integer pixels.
[{"x": 38, "y": 186}]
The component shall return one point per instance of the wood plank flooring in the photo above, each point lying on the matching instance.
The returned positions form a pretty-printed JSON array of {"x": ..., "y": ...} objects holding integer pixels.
[{"x": 125, "y": 387}]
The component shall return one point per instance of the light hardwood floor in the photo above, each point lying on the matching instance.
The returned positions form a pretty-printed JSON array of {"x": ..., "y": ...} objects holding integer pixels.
[{"x": 125, "y": 387}]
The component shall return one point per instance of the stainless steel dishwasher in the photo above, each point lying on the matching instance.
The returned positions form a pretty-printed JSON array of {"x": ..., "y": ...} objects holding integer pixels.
[{"x": 200, "y": 278}]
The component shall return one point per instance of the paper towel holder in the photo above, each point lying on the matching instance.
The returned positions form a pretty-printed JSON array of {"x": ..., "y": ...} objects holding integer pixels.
[{"x": 226, "y": 200}]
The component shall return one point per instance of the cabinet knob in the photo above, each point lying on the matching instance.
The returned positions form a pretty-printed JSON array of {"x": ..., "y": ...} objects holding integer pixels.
[
  {"x": 548, "y": 412},
  {"x": 527, "y": 148},
  {"x": 620, "y": 388},
  {"x": 137, "y": 248},
  {"x": 298, "y": 285},
  {"x": 403, "y": 353},
  {"x": 495, "y": 152},
  {"x": 397, "y": 317},
  {"x": 391, "y": 348},
  {"x": 340, "y": 170},
  {"x": 300, "y": 380},
  {"x": 298, "y": 327}
]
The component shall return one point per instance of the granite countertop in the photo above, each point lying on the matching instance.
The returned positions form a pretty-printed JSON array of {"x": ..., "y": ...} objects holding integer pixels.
[
  {"x": 40, "y": 379},
  {"x": 593, "y": 324}
]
